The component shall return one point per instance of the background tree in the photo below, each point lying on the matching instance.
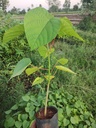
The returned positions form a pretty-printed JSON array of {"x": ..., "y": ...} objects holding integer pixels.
[
  {"x": 75, "y": 7},
  {"x": 66, "y": 5},
  {"x": 40, "y": 5},
  {"x": 89, "y": 4},
  {"x": 4, "y": 4},
  {"x": 93, "y": 5},
  {"x": 53, "y": 5},
  {"x": 53, "y": 8},
  {"x": 32, "y": 5},
  {"x": 28, "y": 9},
  {"x": 15, "y": 10},
  {"x": 23, "y": 11}
]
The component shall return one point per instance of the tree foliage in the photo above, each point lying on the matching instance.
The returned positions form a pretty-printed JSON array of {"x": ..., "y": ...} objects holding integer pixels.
[
  {"x": 89, "y": 4},
  {"x": 53, "y": 5},
  {"x": 53, "y": 2},
  {"x": 86, "y": 1},
  {"x": 75, "y": 7},
  {"x": 15, "y": 10},
  {"x": 4, "y": 4},
  {"x": 53, "y": 8},
  {"x": 66, "y": 5},
  {"x": 93, "y": 5}
]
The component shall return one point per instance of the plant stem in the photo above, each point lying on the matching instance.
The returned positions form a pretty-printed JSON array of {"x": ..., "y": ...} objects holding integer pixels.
[
  {"x": 45, "y": 111},
  {"x": 47, "y": 93}
]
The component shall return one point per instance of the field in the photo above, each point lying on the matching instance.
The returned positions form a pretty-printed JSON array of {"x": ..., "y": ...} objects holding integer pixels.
[{"x": 73, "y": 95}]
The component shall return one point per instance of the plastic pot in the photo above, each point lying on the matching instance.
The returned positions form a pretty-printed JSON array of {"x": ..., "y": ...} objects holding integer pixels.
[{"x": 48, "y": 121}]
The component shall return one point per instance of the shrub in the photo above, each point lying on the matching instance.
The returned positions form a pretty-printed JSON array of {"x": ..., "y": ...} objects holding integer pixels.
[{"x": 87, "y": 24}]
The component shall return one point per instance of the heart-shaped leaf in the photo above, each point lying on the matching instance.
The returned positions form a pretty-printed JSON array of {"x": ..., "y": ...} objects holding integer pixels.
[
  {"x": 26, "y": 98},
  {"x": 75, "y": 120},
  {"x": 26, "y": 124},
  {"x": 18, "y": 124},
  {"x": 10, "y": 122},
  {"x": 41, "y": 27},
  {"x": 66, "y": 122}
]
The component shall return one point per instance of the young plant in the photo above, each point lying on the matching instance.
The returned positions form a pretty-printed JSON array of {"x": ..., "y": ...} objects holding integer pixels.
[{"x": 41, "y": 28}]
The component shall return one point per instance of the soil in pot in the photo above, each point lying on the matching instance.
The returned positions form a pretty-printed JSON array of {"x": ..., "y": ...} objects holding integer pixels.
[{"x": 48, "y": 121}]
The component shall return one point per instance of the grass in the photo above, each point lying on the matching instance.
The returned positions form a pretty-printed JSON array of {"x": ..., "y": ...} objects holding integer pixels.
[
  {"x": 89, "y": 37},
  {"x": 82, "y": 61}
]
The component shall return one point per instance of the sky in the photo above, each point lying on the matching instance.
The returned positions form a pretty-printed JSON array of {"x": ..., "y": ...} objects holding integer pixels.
[{"x": 24, "y": 4}]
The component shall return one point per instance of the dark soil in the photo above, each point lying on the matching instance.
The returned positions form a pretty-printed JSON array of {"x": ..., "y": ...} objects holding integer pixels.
[{"x": 50, "y": 113}]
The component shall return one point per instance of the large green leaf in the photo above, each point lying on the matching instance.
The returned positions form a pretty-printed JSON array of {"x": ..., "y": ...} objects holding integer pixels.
[
  {"x": 67, "y": 29},
  {"x": 13, "y": 33},
  {"x": 21, "y": 66},
  {"x": 41, "y": 27}
]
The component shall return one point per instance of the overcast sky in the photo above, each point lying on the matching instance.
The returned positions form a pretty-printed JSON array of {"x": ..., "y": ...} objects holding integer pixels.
[{"x": 24, "y": 4}]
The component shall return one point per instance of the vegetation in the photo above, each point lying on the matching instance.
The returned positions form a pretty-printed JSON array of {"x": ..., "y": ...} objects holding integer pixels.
[
  {"x": 77, "y": 88},
  {"x": 53, "y": 5},
  {"x": 82, "y": 57},
  {"x": 38, "y": 39},
  {"x": 66, "y": 5},
  {"x": 89, "y": 19},
  {"x": 73, "y": 114},
  {"x": 4, "y": 4},
  {"x": 87, "y": 8},
  {"x": 89, "y": 4},
  {"x": 78, "y": 91},
  {"x": 17, "y": 11},
  {"x": 88, "y": 24},
  {"x": 82, "y": 86}
]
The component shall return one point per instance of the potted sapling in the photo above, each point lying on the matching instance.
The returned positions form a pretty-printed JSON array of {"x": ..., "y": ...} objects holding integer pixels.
[{"x": 41, "y": 28}]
